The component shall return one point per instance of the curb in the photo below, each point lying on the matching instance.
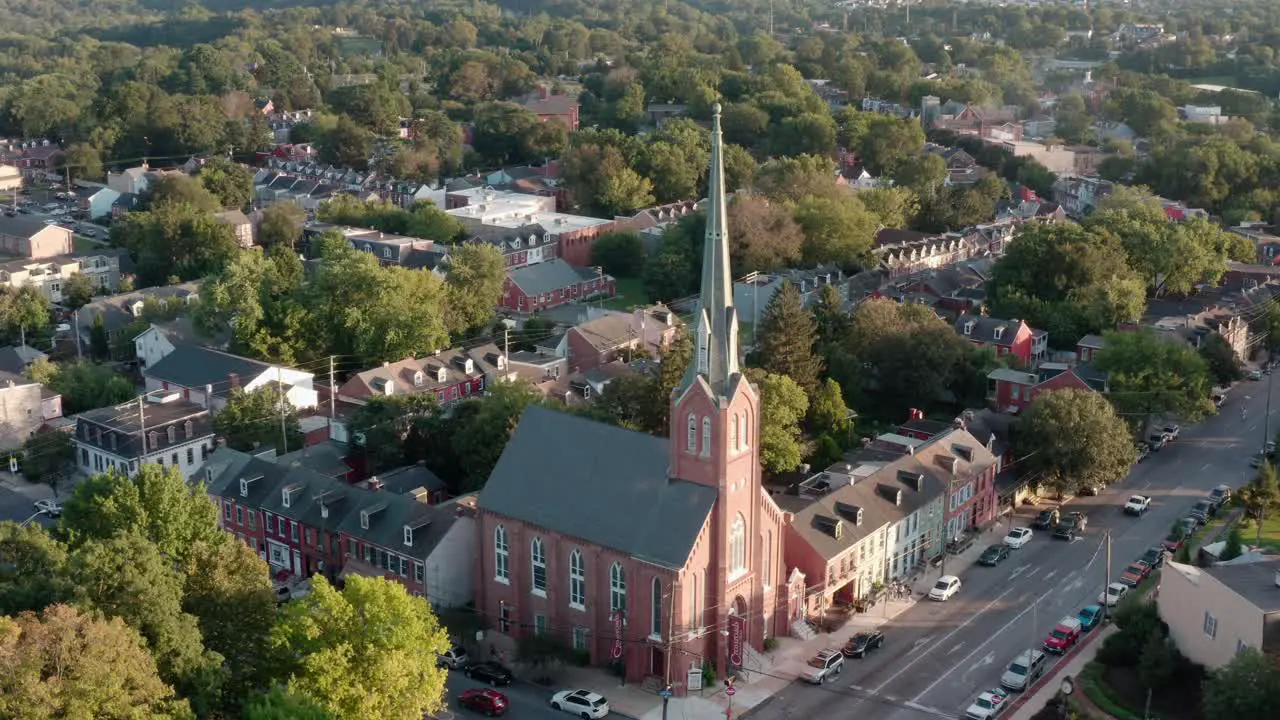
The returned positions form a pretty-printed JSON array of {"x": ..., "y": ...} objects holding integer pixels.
[{"x": 1044, "y": 680}]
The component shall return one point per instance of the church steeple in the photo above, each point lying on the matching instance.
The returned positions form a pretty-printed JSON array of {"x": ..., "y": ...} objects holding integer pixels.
[{"x": 716, "y": 340}]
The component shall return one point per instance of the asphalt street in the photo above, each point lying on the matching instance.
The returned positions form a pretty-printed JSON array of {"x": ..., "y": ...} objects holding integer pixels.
[
  {"x": 18, "y": 508},
  {"x": 939, "y": 656},
  {"x": 526, "y": 701}
]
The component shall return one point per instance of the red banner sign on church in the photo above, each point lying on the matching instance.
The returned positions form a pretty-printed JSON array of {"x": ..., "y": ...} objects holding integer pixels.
[
  {"x": 737, "y": 634},
  {"x": 617, "y": 634}
]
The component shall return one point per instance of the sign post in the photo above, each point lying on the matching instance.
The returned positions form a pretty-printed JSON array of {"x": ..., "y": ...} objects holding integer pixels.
[
  {"x": 665, "y": 693},
  {"x": 729, "y": 692}
]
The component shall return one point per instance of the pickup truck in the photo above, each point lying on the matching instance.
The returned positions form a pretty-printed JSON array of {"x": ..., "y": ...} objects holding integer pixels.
[
  {"x": 1137, "y": 505},
  {"x": 1064, "y": 635}
]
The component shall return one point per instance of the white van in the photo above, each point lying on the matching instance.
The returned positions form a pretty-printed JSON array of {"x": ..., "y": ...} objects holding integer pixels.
[{"x": 1024, "y": 670}]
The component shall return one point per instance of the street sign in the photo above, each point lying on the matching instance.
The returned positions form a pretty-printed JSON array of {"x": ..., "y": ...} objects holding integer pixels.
[
  {"x": 730, "y": 691},
  {"x": 665, "y": 693}
]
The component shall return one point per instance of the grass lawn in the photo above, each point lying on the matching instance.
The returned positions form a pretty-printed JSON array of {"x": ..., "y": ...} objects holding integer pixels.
[
  {"x": 630, "y": 294},
  {"x": 1270, "y": 532},
  {"x": 83, "y": 244}
]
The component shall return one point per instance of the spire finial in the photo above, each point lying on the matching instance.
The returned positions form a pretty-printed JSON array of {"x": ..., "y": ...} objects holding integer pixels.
[{"x": 716, "y": 343}]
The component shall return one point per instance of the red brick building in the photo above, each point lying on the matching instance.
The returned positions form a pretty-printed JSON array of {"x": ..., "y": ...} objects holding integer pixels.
[
  {"x": 1011, "y": 391},
  {"x": 559, "y": 108},
  {"x": 451, "y": 375},
  {"x": 548, "y": 284},
  {"x": 656, "y": 554},
  {"x": 1012, "y": 339}
]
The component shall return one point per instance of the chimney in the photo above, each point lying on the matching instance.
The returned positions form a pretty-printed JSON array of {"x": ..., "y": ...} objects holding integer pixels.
[
  {"x": 374, "y": 483},
  {"x": 544, "y": 92}
]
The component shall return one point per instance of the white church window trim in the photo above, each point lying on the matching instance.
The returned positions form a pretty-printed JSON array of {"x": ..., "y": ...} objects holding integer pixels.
[
  {"x": 706, "y": 436},
  {"x": 691, "y": 442},
  {"x": 738, "y": 547}
]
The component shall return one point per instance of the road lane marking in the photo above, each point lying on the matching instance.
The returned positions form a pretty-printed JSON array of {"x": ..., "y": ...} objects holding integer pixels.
[
  {"x": 956, "y": 648},
  {"x": 986, "y": 660},
  {"x": 1019, "y": 570},
  {"x": 1051, "y": 574},
  {"x": 919, "y": 643},
  {"x": 1033, "y": 571},
  {"x": 945, "y": 638},
  {"x": 1205, "y": 467},
  {"x": 978, "y": 649},
  {"x": 930, "y": 710}
]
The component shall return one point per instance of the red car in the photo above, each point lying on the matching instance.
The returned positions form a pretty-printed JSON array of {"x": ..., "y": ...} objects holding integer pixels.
[
  {"x": 489, "y": 702},
  {"x": 1064, "y": 635},
  {"x": 1135, "y": 574}
]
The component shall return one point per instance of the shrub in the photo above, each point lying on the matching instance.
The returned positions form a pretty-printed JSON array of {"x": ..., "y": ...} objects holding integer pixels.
[
  {"x": 1095, "y": 688},
  {"x": 708, "y": 675},
  {"x": 1121, "y": 650},
  {"x": 1234, "y": 547},
  {"x": 770, "y": 644}
]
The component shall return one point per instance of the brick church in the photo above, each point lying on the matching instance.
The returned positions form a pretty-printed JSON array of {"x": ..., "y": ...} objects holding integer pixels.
[{"x": 656, "y": 555}]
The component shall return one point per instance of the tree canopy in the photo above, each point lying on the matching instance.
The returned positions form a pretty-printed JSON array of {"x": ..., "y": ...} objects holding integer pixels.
[{"x": 1072, "y": 439}]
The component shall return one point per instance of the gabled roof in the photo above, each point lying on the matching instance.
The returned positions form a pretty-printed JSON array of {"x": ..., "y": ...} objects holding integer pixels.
[
  {"x": 549, "y": 276},
  {"x": 115, "y": 309},
  {"x": 598, "y": 483},
  {"x": 192, "y": 366},
  {"x": 421, "y": 375},
  {"x": 21, "y": 226},
  {"x": 984, "y": 329}
]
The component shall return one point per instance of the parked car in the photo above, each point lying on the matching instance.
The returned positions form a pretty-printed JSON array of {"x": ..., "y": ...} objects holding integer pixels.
[
  {"x": 52, "y": 508},
  {"x": 1137, "y": 505},
  {"x": 1026, "y": 668},
  {"x": 1064, "y": 635},
  {"x": 1154, "y": 556},
  {"x": 1046, "y": 519},
  {"x": 489, "y": 702},
  {"x": 823, "y": 666},
  {"x": 946, "y": 586},
  {"x": 1135, "y": 573},
  {"x": 455, "y": 658},
  {"x": 1156, "y": 442},
  {"x": 1220, "y": 495},
  {"x": 1089, "y": 617},
  {"x": 993, "y": 555},
  {"x": 1172, "y": 431},
  {"x": 583, "y": 703},
  {"x": 1143, "y": 450},
  {"x": 1092, "y": 489},
  {"x": 987, "y": 705},
  {"x": 1255, "y": 460},
  {"x": 1206, "y": 507},
  {"x": 1018, "y": 537},
  {"x": 1255, "y": 375},
  {"x": 1174, "y": 540},
  {"x": 1112, "y": 594},
  {"x": 862, "y": 643},
  {"x": 1197, "y": 516},
  {"x": 489, "y": 672}
]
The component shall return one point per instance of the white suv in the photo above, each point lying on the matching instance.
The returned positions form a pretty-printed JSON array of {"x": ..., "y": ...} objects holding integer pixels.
[{"x": 823, "y": 666}]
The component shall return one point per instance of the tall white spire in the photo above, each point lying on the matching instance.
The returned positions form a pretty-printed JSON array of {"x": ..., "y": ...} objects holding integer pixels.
[{"x": 716, "y": 339}]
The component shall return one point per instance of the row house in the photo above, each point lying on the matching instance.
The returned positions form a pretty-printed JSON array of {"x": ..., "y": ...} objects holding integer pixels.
[
  {"x": 159, "y": 428},
  {"x": 487, "y": 209},
  {"x": 1011, "y": 391},
  {"x": 207, "y": 377},
  {"x": 282, "y": 123},
  {"x": 119, "y": 312},
  {"x": 527, "y": 245},
  {"x": 988, "y": 123},
  {"x": 25, "y": 407},
  {"x": 309, "y": 194},
  {"x": 450, "y": 376},
  {"x": 50, "y": 275},
  {"x": 1265, "y": 241},
  {"x": 880, "y": 513},
  {"x": 340, "y": 177},
  {"x": 546, "y": 285},
  {"x": 931, "y": 253},
  {"x": 607, "y": 338},
  {"x": 1080, "y": 196},
  {"x": 659, "y": 216},
  {"x": 1199, "y": 316},
  {"x": 1010, "y": 339},
  {"x": 389, "y": 248},
  {"x": 304, "y": 523},
  {"x": 753, "y": 292}
]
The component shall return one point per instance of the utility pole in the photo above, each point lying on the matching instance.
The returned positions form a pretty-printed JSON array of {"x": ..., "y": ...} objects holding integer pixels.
[
  {"x": 506, "y": 345},
  {"x": 142, "y": 428},
  {"x": 1266, "y": 421},
  {"x": 284, "y": 435},
  {"x": 333, "y": 391},
  {"x": 1106, "y": 577},
  {"x": 666, "y": 691},
  {"x": 946, "y": 525}
]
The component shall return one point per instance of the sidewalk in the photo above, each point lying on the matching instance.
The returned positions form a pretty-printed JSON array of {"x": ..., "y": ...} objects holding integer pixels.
[
  {"x": 780, "y": 668},
  {"x": 33, "y": 491},
  {"x": 1034, "y": 700}
]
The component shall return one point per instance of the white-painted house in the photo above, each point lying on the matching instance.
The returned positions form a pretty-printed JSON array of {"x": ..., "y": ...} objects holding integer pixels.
[
  {"x": 206, "y": 377},
  {"x": 159, "y": 429}
]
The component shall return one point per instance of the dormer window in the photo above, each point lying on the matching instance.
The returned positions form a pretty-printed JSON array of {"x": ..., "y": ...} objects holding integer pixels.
[
  {"x": 285, "y": 497},
  {"x": 189, "y": 429},
  {"x": 516, "y": 243},
  {"x": 386, "y": 253},
  {"x": 999, "y": 332},
  {"x": 441, "y": 375},
  {"x": 324, "y": 512},
  {"x": 468, "y": 366},
  {"x": 408, "y": 536},
  {"x": 419, "y": 378},
  {"x": 154, "y": 438},
  {"x": 244, "y": 487},
  {"x": 364, "y": 519},
  {"x": 172, "y": 433},
  {"x": 968, "y": 327},
  {"x": 501, "y": 363}
]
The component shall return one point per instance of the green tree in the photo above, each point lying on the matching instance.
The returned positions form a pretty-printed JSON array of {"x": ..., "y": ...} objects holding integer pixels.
[
  {"x": 922, "y": 174},
  {"x": 367, "y": 651},
  {"x": 82, "y": 161},
  {"x": 259, "y": 418},
  {"x": 622, "y": 190},
  {"x": 831, "y": 324},
  {"x": 126, "y": 576},
  {"x": 1072, "y": 119},
  {"x": 1074, "y": 439},
  {"x": 1224, "y": 366},
  {"x": 281, "y": 224},
  {"x": 1066, "y": 280},
  {"x": 828, "y": 414},
  {"x": 379, "y": 427},
  {"x": 82, "y": 385},
  {"x": 157, "y": 503},
  {"x": 836, "y": 231},
  {"x": 230, "y": 182},
  {"x": 482, "y": 427},
  {"x": 895, "y": 207},
  {"x": 32, "y": 569},
  {"x": 227, "y": 588},
  {"x": 763, "y": 234},
  {"x": 348, "y": 144},
  {"x": 786, "y": 339},
  {"x": 78, "y": 291},
  {"x": 69, "y": 664},
  {"x": 178, "y": 189},
  {"x": 888, "y": 141},
  {"x": 175, "y": 240},
  {"x": 1246, "y": 687},
  {"x": 280, "y": 704},
  {"x": 1261, "y": 497},
  {"x": 805, "y": 134},
  {"x": 792, "y": 179},
  {"x": 783, "y": 405},
  {"x": 1149, "y": 375},
  {"x": 48, "y": 458},
  {"x": 620, "y": 254},
  {"x": 1159, "y": 660},
  {"x": 1234, "y": 546},
  {"x": 473, "y": 286}
]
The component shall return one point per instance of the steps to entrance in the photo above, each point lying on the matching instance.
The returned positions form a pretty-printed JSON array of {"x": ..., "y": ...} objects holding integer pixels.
[{"x": 801, "y": 631}]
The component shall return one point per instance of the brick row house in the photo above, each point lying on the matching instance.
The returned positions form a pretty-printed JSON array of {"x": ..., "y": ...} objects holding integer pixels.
[
  {"x": 1010, "y": 339},
  {"x": 304, "y": 523},
  {"x": 652, "y": 554},
  {"x": 549, "y": 284},
  {"x": 451, "y": 375}
]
